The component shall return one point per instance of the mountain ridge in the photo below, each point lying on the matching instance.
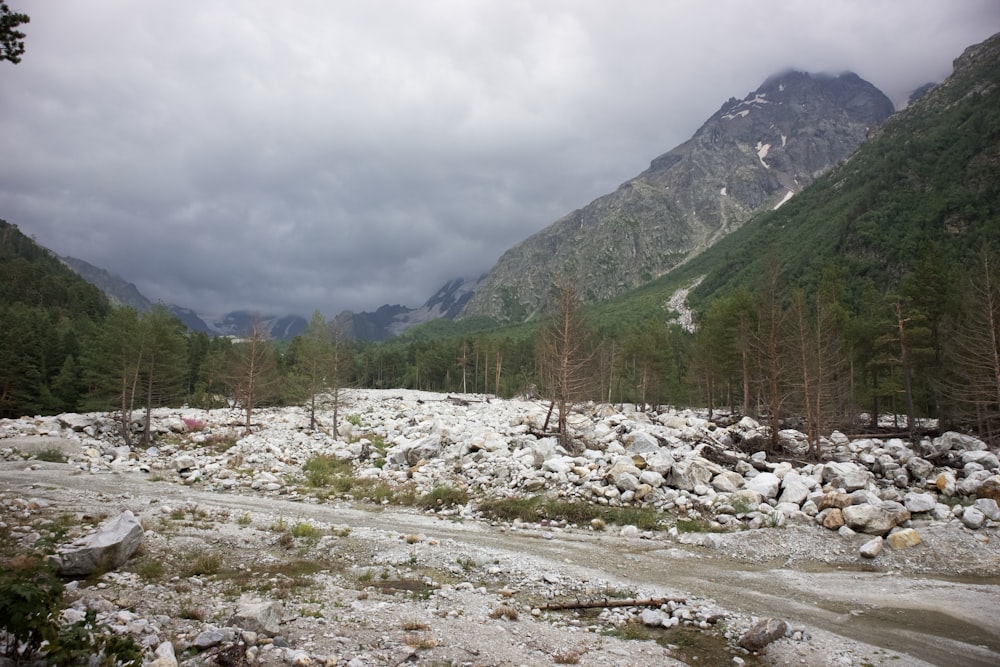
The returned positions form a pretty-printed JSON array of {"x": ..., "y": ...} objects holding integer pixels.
[{"x": 751, "y": 154}]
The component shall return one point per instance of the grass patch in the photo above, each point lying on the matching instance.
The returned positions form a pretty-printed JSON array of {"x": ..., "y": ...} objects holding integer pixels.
[
  {"x": 323, "y": 470},
  {"x": 202, "y": 563},
  {"x": 220, "y": 442},
  {"x": 693, "y": 526},
  {"x": 51, "y": 455},
  {"x": 537, "y": 508},
  {"x": 443, "y": 496},
  {"x": 278, "y": 579},
  {"x": 149, "y": 568}
]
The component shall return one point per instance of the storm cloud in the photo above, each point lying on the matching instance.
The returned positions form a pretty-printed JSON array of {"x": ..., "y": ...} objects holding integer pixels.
[{"x": 286, "y": 157}]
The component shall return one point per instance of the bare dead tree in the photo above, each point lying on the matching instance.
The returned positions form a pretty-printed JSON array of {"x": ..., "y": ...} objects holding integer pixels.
[{"x": 565, "y": 355}]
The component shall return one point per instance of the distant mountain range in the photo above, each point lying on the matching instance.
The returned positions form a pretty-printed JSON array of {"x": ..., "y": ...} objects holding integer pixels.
[
  {"x": 386, "y": 322},
  {"x": 751, "y": 156},
  {"x": 390, "y": 321}
]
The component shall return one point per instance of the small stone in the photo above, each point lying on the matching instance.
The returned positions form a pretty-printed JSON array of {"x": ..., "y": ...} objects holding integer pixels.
[
  {"x": 871, "y": 548},
  {"x": 919, "y": 502},
  {"x": 652, "y": 618},
  {"x": 209, "y": 638},
  {"x": 973, "y": 518},
  {"x": 763, "y": 633},
  {"x": 834, "y": 519},
  {"x": 902, "y": 539}
]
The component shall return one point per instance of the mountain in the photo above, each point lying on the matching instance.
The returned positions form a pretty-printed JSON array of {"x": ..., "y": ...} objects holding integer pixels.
[
  {"x": 909, "y": 210},
  {"x": 751, "y": 155},
  {"x": 190, "y": 319},
  {"x": 119, "y": 291},
  {"x": 239, "y": 323},
  {"x": 390, "y": 321}
]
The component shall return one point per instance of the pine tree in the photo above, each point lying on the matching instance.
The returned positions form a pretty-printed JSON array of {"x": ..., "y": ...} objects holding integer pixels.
[{"x": 164, "y": 362}]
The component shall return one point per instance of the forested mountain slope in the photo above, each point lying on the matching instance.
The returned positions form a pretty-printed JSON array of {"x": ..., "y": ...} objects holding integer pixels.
[
  {"x": 45, "y": 308},
  {"x": 927, "y": 188}
]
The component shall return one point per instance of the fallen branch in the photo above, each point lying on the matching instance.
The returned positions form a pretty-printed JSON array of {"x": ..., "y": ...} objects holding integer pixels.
[{"x": 607, "y": 604}]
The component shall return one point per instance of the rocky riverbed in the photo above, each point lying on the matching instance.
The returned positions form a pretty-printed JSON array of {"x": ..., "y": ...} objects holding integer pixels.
[{"x": 885, "y": 553}]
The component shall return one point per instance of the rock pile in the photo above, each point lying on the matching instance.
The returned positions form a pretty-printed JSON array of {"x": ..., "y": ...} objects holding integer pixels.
[
  {"x": 675, "y": 461},
  {"x": 868, "y": 493}
]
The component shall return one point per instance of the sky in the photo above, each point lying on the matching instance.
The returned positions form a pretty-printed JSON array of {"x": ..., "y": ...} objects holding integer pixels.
[{"x": 325, "y": 154}]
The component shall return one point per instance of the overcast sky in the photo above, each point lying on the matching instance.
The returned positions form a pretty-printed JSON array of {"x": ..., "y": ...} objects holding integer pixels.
[{"x": 284, "y": 157}]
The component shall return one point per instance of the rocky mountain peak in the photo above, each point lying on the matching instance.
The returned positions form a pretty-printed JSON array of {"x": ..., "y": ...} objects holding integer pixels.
[{"x": 752, "y": 154}]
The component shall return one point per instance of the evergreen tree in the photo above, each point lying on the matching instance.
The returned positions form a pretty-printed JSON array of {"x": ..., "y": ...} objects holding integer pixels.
[
  {"x": 112, "y": 366},
  {"x": 312, "y": 352},
  {"x": 163, "y": 363},
  {"x": 254, "y": 371},
  {"x": 973, "y": 355}
]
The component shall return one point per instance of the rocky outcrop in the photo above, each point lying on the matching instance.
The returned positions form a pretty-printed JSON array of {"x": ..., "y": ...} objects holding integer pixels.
[{"x": 751, "y": 155}]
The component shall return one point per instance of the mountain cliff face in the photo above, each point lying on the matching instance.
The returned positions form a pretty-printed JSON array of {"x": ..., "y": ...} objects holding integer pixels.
[{"x": 751, "y": 155}]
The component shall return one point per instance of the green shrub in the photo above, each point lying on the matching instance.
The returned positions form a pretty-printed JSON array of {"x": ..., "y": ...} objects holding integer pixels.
[
  {"x": 306, "y": 530},
  {"x": 444, "y": 496},
  {"x": 31, "y": 597},
  {"x": 51, "y": 455},
  {"x": 536, "y": 508},
  {"x": 692, "y": 526},
  {"x": 322, "y": 469}
]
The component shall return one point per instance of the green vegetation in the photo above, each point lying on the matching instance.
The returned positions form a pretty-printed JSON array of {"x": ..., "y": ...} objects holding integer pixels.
[
  {"x": 323, "y": 470},
  {"x": 31, "y": 597},
  {"x": 537, "y": 508},
  {"x": 442, "y": 497}
]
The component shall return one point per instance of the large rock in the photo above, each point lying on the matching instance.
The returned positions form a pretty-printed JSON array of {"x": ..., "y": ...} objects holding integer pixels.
[
  {"x": 75, "y": 422},
  {"x": 114, "y": 543},
  {"x": 424, "y": 449},
  {"x": 763, "y": 633},
  {"x": 834, "y": 499},
  {"x": 990, "y": 488},
  {"x": 833, "y": 519},
  {"x": 690, "y": 472},
  {"x": 984, "y": 458},
  {"x": 728, "y": 481},
  {"x": 920, "y": 468},
  {"x": 623, "y": 465},
  {"x": 989, "y": 508},
  {"x": 950, "y": 442},
  {"x": 660, "y": 461},
  {"x": 973, "y": 517},
  {"x": 872, "y": 547},
  {"x": 902, "y": 539},
  {"x": 846, "y": 475},
  {"x": 973, "y": 483},
  {"x": 258, "y": 616},
  {"x": 872, "y": 520},
  {"x": 920, "y": 502},
  {"x": 766, "y": 484},
  {"x": 794, "y": 489},
  {"x": 640, "y": 442}
]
